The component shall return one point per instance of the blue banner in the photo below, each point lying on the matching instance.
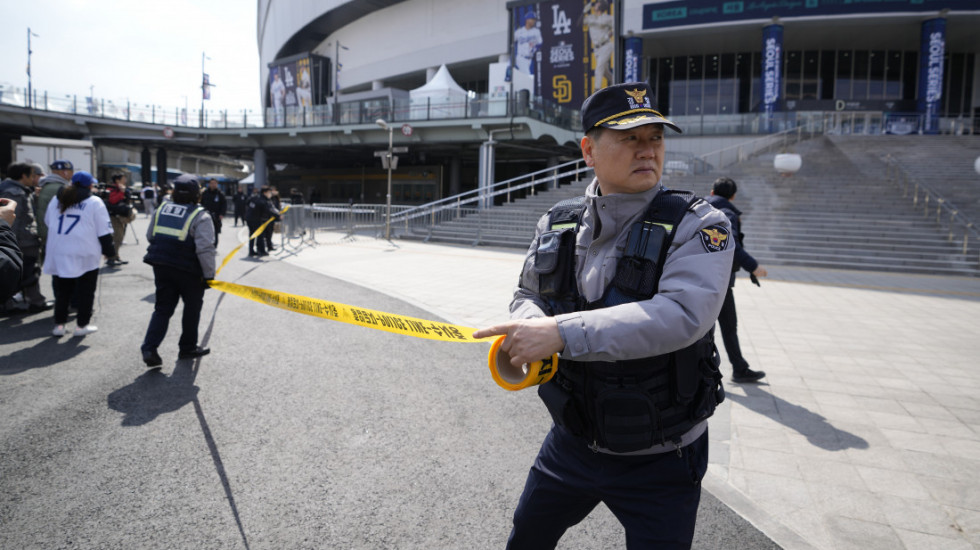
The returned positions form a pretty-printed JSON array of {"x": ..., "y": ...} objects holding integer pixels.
[
  {"x": 772, "y": 66},
  {"x": 632, "y": 57},
  {"x": 682, "y": 13},
  {"x": 931, "y": 73}
]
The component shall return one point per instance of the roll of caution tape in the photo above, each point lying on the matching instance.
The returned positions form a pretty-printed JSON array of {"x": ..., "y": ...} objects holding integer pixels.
[{"x": 511, "y": 378}]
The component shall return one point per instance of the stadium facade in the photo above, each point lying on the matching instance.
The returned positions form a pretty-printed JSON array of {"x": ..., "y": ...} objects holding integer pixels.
[{"x": 718, "y": 67}]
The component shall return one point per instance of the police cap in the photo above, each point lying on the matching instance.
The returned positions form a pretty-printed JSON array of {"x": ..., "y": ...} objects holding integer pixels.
[{"x": 621, "y": 107}]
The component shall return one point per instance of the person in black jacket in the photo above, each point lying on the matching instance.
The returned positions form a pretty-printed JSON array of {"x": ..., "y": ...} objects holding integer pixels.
[
  {"x": 11, "y": 260},
  {"x": 19, "y": 187},
  {"x": 213, "y": 200},
  {"x": 181, "y": 252},
  {"x": 722, "y": 195},
  {"x": 239, "y": 199},
  {"x": 258, "y": 211}
]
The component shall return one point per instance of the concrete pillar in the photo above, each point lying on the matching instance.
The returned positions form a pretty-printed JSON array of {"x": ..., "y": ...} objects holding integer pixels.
[
  {"x": 261, "y": 170},
  {"x": 162, "y": 166}
]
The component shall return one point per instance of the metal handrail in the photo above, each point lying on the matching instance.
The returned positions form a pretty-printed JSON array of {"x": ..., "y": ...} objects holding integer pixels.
[{"x": 895, "y": 172}]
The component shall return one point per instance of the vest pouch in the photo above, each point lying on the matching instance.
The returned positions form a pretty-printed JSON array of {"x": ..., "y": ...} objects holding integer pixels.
[
  {"x": 562, "y": 406},
  {"x": 687, "y": 372},
  {"x": 554, "y": 262},
  {"x": 710, "y": 391},
  {"x": 626, "y": 418}
]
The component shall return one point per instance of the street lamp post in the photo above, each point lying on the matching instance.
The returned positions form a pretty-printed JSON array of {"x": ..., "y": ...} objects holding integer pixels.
[
  {"x": 384, "y": 126},
  {"x": 336, "y": 78},
  {"x": 30, "y": 96}
]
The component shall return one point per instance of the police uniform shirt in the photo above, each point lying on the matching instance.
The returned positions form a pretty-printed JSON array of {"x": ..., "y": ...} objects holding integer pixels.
[
  {"x": 73, "y": 247},
  {"x": 691, "y": 289}
]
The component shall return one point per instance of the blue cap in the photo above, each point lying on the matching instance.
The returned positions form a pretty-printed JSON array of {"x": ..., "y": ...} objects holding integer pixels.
[
  {"x": 62, "y": 165},
  {"x": 82, "y": 179}
]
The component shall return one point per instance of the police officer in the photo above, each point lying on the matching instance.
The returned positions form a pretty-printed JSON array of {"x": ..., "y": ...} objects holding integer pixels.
[
  {"x": 259, "y": 210},
  {"x": 722, "y": 194},
  {"x": 627, "y": 289},
  {"x": 213, "y": 200},
  {"x": 182, "y": 254}
]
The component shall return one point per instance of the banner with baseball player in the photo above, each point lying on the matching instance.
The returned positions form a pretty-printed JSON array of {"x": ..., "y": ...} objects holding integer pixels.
[{"x": 568, "y": 46}]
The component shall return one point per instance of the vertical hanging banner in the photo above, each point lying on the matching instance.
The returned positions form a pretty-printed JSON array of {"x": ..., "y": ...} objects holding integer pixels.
[
  {"x": 931, "y": 73},
  {"x": 772, "y": 66},
  {"x": 632, "y": 54}
]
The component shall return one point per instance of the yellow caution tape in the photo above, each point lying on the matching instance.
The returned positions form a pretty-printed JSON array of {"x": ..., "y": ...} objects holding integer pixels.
[
  {"x": 512, "y": 378},
  {"x": 389, "y": 322},
  {"x": 504, "y": 374},
  {"x": 255, "y": 234}
]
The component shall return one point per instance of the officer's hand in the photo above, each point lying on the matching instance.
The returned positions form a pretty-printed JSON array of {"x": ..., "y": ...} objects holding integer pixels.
[
  {"x": 528, "y": 340},
  {"x": 760, "y": 272},
  {"x": 204, "y": 283},
  {"x": 8, "y": 210}
]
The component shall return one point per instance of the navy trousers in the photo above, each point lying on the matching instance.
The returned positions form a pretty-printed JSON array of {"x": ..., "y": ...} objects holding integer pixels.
[
  {"x": 174, "y": 285},
  {"x": 655, "y": 497},
  {"x": 728, "y": 323}
]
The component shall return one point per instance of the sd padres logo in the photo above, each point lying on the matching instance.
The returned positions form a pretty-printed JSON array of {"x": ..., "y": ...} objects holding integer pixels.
[{"x": 563, "y": 88}]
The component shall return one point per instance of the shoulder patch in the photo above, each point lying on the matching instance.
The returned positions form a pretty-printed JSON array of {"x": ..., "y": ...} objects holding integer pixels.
[{"x": 714, "y": 238}]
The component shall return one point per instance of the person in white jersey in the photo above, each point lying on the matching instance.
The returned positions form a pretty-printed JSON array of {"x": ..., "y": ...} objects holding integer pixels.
[
  {"x": 79, "y": 234},
  {"x": 527, "y": 40}
]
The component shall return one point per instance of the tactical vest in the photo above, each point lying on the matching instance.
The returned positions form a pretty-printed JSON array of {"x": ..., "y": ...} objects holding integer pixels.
[
  {"x": 628, "y": 405},
  {"x": 169, "y": 244}
]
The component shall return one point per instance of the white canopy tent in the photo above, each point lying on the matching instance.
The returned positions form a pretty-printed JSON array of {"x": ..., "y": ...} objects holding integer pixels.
[{"x": 440, "y": 97}]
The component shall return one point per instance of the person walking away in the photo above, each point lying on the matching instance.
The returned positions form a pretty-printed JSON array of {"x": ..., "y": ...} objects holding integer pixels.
[
  {"x": 722, "y": 194},
  {"x": 181, "y": 251},
  {"x": 213, "y": 200},
  {"x": 271, "y": 228},
  {"x": 239, "y": 199},
  {"x": 120, "y": 206},
  {"x": 19, "y": 187},
  {"x": 259, "y": 210},
  {"x": 626, "y": 283},
  {"x": 11, "y": 259},
  {"x": 149, "y": 195},
  {"x": 80, "y": 234},
  {"x": 60, "y": 176}
]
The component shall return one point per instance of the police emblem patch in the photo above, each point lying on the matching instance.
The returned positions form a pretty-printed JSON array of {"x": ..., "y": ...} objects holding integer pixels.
[{"x": 714, "y": 238}]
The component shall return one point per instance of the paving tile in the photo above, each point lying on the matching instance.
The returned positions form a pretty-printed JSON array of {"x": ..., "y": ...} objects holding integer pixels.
[
  {"x": 966, "y": 522},
  {"x": 893, "y": 482},
  {"x": 856, "y": 534},
  {"x": 914, "y": 540},
  {"x": 922, "y": 516}
]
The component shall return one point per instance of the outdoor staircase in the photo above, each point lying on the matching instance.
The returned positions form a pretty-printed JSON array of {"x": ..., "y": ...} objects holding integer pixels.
[{"x": 841, "y": 210}]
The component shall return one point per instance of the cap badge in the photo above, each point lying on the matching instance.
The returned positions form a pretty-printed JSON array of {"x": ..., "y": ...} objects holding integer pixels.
[{"x": 637, "y": 98}]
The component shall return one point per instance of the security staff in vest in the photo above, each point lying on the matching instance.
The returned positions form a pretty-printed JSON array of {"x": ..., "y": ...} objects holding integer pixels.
[
  {"x": 258, "y": 211},
  {"x": 722, "y": 195},
  {"x": 637, "y": 375},
  {"x": 181, "y": 251}
]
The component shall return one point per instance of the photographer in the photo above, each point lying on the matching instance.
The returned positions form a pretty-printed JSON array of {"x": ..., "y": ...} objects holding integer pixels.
[{"x": 119, "y": 203}]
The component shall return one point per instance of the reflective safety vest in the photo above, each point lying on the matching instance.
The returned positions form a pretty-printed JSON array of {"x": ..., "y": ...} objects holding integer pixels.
[
  {"x": 628, "y": 405},
  {"x": 169, "y": 244}
]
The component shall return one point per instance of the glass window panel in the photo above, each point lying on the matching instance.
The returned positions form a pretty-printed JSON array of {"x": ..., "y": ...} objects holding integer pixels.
[
  {"x": 910, "y": 78},
  {"x": 678, "y": 98},
  {"x": 859, "y": 88},
  {"x": 828, "y": 65},
  {"x": 664, "y": 71},
  {"x": 842, "y": 86},
  {"x": 893, "y": 75},
  {"x": 877, "y": 75},
  {"x": 743, "y": 71}
]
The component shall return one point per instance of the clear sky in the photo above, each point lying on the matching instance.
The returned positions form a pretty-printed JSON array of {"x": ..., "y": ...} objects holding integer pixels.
[{"x": 148, "y": 51}]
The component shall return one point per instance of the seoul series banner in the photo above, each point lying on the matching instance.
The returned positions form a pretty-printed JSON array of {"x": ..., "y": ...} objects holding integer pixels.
[
  {"x": 568, "y": 46},
  {"x": 931, "y": 73},
  {"x": 772, "y": 65}
]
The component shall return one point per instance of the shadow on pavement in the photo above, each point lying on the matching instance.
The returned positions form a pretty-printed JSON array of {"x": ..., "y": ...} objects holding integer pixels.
[
  {"x": 817, "y": 430},
  {"x": 154, "y": 393},
  {"x": 46, "y": 353}
]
